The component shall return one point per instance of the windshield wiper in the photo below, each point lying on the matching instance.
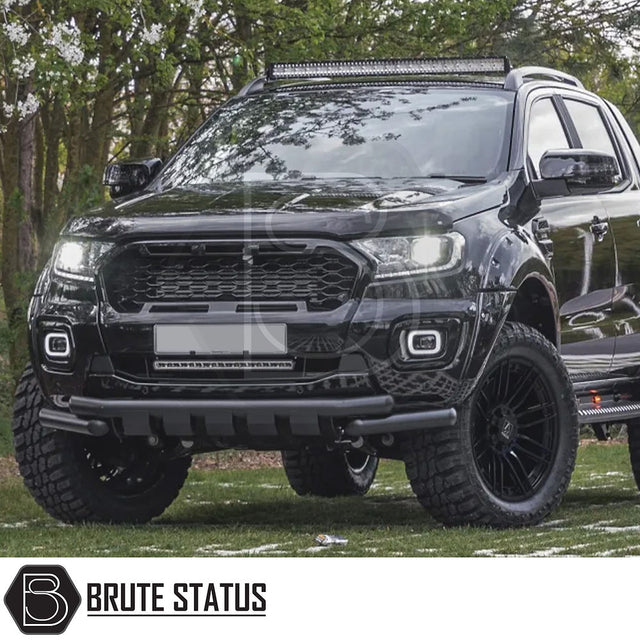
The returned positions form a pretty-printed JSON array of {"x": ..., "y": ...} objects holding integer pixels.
[{"x": 474, "y": 179}]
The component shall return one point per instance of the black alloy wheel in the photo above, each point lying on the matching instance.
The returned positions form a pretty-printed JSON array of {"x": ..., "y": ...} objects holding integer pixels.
[{"x": 515, "y": 427}]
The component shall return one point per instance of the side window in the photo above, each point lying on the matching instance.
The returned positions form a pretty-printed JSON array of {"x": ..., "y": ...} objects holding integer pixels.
[
  {"x": 629, "y": 135},
  {"x": 545, "y": 132},
  {"x": 590, "y": 127}
]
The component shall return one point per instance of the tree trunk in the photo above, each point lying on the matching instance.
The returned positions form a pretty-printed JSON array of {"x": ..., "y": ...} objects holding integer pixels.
[
  {"x": 54, "y": 122},
  {"x": 19, "y": 249}
]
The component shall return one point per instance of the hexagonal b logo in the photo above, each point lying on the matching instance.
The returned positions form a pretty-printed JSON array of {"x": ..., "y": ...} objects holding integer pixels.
[{"x": 42, "y": 599}]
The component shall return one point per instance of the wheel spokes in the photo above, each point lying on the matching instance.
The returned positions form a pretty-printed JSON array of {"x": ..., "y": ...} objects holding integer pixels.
[
  {"x": 531, "y": 442},
  {"x": 524, "y": 383},
  {"x": 514, "y": 429},
  {"x": 532, "y": 411},
  {"x": 519, "y": 472},
  {"x": 531, "y": 454}
]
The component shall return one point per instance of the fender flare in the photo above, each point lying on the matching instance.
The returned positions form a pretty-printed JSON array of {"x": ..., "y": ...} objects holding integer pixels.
[{"x": 514, "y": 261}]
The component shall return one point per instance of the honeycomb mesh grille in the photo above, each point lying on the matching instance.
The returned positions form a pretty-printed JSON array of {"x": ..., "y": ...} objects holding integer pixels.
[{"x": 323, "y": 278}]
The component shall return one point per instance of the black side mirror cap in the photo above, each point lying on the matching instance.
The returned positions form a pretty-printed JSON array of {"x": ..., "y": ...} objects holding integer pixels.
[
  {"x": 130, "y": 176},
  {"x": 565, "y": 171}
]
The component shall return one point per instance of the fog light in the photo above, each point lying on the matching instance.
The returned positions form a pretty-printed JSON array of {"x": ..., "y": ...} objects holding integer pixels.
[
  {"x": 57, "y": 345},
  {"x": 424, "y": 342}
]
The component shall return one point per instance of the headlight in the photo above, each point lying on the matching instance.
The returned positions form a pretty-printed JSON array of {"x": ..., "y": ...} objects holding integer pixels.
[
  {"x": 396, "y": 257},
  {"x": 78, "y": 259}
]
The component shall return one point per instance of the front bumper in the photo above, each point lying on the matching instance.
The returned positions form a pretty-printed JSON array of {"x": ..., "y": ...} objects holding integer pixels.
[
  {"x": 242, "y": 420},
  {"x": 364, "y": 363}
]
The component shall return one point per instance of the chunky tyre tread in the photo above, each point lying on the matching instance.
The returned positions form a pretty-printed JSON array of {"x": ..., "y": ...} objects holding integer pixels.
[
  {"x": 438, "y": 465},
  {"x": 325, "y": 473},
  {"x": 54, "y": 470},
  {"x": 633, "y": 435}
]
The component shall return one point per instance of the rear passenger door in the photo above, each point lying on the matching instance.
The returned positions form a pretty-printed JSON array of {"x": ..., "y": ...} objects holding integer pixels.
[{"x": 583, "y": 249}]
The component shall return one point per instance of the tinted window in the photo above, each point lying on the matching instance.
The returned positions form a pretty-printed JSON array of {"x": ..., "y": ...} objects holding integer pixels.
[
  {"x": 630, "y": 137},
  {"x": 545, "y": 132},
  {"x": 590, "y": 126},
  {"x": 403, "y": 132}
]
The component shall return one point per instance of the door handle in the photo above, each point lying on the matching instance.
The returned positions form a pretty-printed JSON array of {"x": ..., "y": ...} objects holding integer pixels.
[{"x": 599, "y": 228}]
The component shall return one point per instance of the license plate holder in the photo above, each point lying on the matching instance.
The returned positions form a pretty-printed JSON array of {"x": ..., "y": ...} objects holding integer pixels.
[{"x": 220, "y": 339}]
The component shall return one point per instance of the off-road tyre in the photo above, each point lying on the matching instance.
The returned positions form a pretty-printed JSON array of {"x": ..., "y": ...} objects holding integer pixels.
[
  {"x": 71, "y": 483},
  {"x": 633, "y": 436},
  {"x": 451, "y": 469},
  {"x": 318, "y": 472}
]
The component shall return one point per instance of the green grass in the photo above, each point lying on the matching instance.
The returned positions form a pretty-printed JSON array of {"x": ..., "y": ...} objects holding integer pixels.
[
  {"x": 6, "y": 445},
  {"x": 228, "y": 513}
]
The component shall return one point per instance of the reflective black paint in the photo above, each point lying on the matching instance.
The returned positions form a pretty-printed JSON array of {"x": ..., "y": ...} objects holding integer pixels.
[{"x": 580, "y": 291}]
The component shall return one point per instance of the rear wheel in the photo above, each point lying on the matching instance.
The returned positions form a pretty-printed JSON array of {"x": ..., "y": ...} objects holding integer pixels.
[
  {"x": 508, "y": 460},
  {"x": 81, "y": 478},
  {"x": 325, "y": 473},
  {"x": 633, "y": 434}
]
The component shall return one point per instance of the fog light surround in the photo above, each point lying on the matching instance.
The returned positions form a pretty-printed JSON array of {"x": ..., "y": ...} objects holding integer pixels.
[
  {"x": 422, "y": 343},
  {"x": 57, "y": 345}
]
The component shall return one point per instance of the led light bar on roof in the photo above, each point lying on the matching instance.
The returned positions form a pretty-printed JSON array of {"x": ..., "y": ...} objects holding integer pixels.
[{"x": 359, "y": 68}]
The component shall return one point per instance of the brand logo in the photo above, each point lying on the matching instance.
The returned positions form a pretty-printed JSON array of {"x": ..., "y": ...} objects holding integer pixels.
[{"x": 42, "y": 599}]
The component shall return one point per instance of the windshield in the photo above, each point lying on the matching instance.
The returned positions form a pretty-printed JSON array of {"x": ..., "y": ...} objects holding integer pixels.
[{"x": 406, "y": 132}]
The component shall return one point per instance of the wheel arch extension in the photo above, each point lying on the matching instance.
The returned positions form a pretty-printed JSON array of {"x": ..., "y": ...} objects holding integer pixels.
[
  {"x": 516, "y": 264},
  {"x": 518, "y": 286},
  {"x": 535, "y": 304},
  {"x": 531, "y": 300}
]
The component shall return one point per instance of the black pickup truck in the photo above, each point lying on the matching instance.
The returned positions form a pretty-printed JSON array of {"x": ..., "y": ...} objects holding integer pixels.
[{"x": 427, "y": 260}]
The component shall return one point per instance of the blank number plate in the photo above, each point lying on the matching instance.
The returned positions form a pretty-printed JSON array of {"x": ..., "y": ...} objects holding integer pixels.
[{"x": 229, "y": 339}]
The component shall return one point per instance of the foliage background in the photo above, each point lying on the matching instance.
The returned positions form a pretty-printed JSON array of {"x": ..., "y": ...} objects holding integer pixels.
[{"x": 83, "y": 82}]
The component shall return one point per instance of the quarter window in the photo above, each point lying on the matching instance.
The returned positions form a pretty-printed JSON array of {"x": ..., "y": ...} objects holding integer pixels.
[{"x": 545, "y": 132}]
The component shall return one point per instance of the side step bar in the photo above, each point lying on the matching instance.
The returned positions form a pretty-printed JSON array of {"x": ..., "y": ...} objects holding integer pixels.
[{"x": 610, "y": 413}]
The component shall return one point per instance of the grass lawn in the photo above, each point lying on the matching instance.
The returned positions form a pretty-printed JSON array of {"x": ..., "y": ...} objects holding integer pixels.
[
  {"x": 253, "y": 511},
  {"x": 6, "y": 447}
]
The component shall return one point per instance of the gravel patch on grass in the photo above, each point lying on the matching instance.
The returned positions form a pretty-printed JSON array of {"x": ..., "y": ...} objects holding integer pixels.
[
  {"x": 237, "y": 460},
  {"x": 206, "y": 462}
]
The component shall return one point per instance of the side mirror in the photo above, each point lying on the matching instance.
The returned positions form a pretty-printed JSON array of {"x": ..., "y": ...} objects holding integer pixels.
[
  {"x": 130, "y": 176},
  {"x": 566, "y": 171}
]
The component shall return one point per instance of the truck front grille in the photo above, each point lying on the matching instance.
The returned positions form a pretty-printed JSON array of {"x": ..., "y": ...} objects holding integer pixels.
[{"x": 319, "y": 276}]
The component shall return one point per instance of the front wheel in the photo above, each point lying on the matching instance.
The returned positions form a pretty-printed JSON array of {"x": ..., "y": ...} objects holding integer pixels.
[
  {"x": 79, "y": 478},
  {"x": 508, "y": 460}
]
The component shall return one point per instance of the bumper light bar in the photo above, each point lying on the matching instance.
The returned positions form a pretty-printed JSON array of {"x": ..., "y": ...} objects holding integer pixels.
[{"x": 401, "y": 67}]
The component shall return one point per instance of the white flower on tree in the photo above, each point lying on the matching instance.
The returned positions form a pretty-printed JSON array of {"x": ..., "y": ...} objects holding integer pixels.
[
  {"x": 66, "y": 39},
  {"x": 22, "y": 68},
  {"x": 5, "y": 5},
  {"x": 196, "y": 7},
  {"x": 27, "y": 107},
  {"x": 16, "y": 33},
  {"x": 153, "y": 34}
]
